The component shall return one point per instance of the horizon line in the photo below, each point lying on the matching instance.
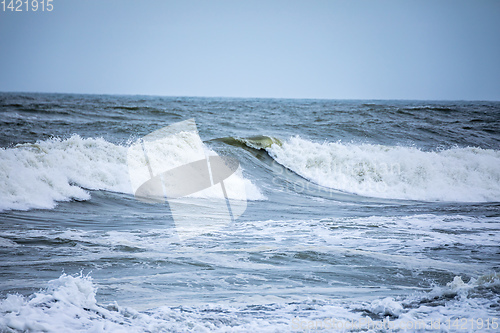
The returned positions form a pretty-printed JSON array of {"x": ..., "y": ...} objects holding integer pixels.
[{"x": 239, "y": 97}]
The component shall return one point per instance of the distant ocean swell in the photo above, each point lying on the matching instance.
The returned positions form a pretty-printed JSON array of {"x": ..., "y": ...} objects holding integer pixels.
[{"x": 41, "y": 174}]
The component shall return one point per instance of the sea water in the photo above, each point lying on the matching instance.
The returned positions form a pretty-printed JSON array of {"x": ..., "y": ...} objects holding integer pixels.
[{"x": 360, "y": 216}]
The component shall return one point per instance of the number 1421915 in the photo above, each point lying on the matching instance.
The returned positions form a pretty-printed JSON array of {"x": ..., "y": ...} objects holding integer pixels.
[{"x": 27, "y": 5}]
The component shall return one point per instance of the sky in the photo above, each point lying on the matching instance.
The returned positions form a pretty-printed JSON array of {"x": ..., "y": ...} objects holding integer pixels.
[{"x": 401, "y": 49}]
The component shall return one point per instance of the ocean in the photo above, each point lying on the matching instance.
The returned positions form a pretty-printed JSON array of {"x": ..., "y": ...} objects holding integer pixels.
[{"x": 360, "y": 216}]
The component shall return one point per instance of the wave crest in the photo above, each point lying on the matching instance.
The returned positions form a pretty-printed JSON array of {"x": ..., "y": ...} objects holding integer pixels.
[
  {"x": 41, "y": 174},
  {"x": 393, "y": 172}
]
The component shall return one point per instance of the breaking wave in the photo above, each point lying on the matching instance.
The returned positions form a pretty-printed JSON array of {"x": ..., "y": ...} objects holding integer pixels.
[
  {"x": 41, "y": 174},
  {"x": 69, "y": 304},
  {"x": 394, "y": 172}
]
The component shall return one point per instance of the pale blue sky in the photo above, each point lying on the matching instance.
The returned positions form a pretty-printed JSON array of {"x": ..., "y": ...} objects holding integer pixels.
[{"x": 295, "y": 49}]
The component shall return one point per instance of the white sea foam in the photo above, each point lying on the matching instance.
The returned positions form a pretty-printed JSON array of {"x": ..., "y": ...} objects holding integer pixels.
[
  {"x": 457, "y": 174},
  {"x": 69, "y": 304},
  {"x": 41, "y": 174},
  {"x": 166, "y": 151}
]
